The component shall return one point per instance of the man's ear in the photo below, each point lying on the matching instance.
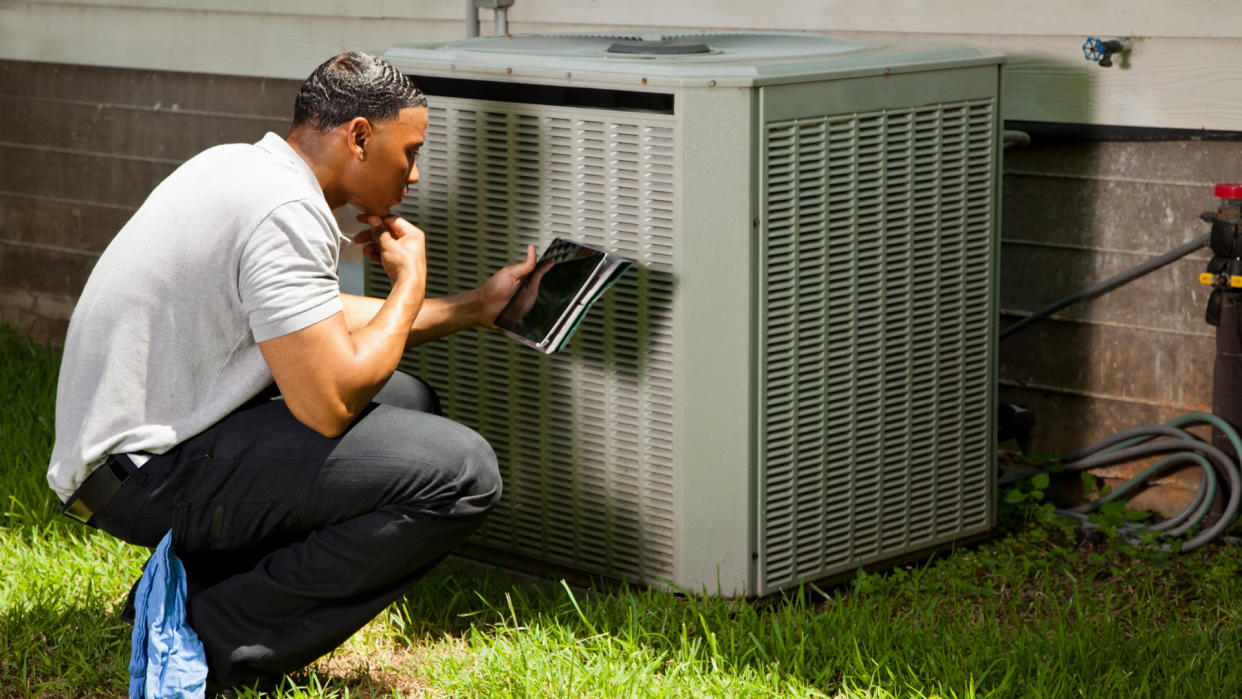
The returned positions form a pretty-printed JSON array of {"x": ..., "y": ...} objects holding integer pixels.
[{"x": 358, "y": 132}]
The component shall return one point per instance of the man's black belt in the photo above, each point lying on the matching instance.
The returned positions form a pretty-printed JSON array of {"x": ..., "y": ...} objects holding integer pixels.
[{"x": 97, "y": 490}]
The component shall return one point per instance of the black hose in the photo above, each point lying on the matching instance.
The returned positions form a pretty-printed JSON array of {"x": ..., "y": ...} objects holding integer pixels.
[
  {"x": 1109, "y": 284},
  {"x": 1138, "y": 442},
  {"x": 1222, "y": 480}
]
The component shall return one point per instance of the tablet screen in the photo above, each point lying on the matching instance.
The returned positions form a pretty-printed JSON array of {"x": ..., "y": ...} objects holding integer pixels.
[{"x": 548, "y": 291}]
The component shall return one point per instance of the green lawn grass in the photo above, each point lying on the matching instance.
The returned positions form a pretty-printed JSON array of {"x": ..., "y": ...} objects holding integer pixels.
[{"x": 1024, "y": 614}]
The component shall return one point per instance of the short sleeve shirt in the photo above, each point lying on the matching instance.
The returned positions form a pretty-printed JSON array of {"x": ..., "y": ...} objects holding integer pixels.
[{"x": 236, "y": 247}]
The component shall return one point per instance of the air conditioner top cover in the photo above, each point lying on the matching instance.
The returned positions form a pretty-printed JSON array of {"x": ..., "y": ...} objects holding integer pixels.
[{"x": 741, "y": 59}]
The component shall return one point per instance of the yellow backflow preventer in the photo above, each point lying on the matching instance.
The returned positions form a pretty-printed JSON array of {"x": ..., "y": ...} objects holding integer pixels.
[{"x": 1235, "y": 281}]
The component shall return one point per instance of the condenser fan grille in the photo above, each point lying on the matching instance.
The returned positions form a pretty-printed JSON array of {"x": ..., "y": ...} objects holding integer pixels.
[
  {"x": 585, "y": 438},
  {"x": 876, "y": 335}
]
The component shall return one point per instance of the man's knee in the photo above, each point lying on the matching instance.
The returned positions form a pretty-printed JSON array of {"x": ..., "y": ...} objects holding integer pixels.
[
  {"x": 410, "y": 392},
  {"x": 478, "y": 478},
  {"x": 455, "y": 470},
  {"x": 425, "y": 461}
]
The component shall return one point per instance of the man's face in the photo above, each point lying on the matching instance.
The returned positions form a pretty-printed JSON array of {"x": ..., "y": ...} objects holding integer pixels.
[{"x": 381, "y": 178}]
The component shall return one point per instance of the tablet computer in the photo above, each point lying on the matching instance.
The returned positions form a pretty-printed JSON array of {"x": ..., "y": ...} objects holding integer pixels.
[{"x": 552, "y": 299}]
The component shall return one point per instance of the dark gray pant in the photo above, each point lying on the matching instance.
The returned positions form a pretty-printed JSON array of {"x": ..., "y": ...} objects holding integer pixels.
[{"x": 292, "y": 541}]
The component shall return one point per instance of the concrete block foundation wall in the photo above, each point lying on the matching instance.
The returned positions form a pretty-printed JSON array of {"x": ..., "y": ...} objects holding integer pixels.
[
  {"x": 1075, "y": 213},
  {"x": 82, "y": 146}
]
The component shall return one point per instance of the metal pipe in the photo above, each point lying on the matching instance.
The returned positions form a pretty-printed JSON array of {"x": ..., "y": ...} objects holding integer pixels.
[
  {"x": 472, "y": 20},
  {"x": 1109, "y": 284},
  {"x": 502, "y": 21},
  {"x": 1015, "y": 139}
]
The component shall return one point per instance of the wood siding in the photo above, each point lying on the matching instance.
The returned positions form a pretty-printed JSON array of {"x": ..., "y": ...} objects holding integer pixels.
[{"x": 1182, "y": 71}]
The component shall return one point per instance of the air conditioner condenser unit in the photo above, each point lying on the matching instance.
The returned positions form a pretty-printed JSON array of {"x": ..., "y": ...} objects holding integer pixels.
[{"x": 796, "y": 378}]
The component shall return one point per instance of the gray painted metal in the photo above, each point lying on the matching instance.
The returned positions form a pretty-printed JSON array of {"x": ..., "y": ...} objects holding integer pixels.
[
  {"x": 796, "y": 378},
  {"x": 735, "y": 59}
]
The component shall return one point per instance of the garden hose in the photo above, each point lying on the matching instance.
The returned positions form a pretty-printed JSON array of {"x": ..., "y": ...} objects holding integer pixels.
[
  {"x": 1221, "y": 480},
  {"x": 1182, "y": 447}
]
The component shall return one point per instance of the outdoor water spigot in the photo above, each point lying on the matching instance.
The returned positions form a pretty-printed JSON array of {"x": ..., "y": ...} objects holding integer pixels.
[{"x": 1100, "y": 51}]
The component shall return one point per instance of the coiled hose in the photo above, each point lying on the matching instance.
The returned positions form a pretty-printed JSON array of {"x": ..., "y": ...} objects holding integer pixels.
[{"x": 1140, "y": 442}]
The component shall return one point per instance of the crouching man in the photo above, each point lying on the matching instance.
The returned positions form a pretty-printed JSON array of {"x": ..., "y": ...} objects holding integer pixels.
[{"x": 215, "y": 382}]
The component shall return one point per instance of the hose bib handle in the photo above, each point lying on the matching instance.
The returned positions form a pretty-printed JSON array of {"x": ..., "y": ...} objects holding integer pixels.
[{"x": 1100, "y": 51}]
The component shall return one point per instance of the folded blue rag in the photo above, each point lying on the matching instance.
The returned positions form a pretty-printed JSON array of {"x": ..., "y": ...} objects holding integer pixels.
[{"x": 167, "y": 659}]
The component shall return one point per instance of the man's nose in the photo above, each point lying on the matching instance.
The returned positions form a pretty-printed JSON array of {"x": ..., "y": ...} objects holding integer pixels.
[{"x": 413, "y": 176}]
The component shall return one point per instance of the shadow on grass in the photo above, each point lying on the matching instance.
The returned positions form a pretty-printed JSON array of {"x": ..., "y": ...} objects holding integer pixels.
[
  {"x": 54, "y": 651},
  {"x": 1025, "y": 614},
  {"x": 799, "y": 640}
]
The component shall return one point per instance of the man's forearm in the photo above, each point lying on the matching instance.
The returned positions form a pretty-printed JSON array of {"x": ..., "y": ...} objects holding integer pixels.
[{"x": 436, "y": 318}]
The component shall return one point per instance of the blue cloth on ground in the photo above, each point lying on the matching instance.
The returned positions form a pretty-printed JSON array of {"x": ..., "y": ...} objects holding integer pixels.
[{"x": 167, "y": 660}]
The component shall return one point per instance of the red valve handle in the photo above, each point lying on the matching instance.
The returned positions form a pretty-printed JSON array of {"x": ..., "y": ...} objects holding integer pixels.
[{"x": 1229, "y": 190}]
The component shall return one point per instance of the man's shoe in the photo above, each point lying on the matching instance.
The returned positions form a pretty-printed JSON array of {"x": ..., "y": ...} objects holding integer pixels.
[
  {"x": 128, "y": 613},
  {"x": 216, "y": 692}
]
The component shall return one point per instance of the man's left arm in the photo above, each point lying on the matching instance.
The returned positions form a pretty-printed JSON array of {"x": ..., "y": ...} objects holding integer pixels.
[{"x": 440, "y": 317}]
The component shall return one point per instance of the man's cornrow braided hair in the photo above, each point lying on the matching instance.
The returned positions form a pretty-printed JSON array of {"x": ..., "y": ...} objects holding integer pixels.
[{"x": 354, "y": 84}]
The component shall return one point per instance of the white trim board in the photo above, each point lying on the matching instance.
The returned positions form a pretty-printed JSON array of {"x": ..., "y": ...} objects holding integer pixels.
[{"x": 1183, "y": 18}]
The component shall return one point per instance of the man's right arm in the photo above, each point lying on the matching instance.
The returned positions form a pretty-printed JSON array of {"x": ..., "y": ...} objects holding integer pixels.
[
  {"x": 328, "y": 374},
  {"x": 440, "y": 317}
]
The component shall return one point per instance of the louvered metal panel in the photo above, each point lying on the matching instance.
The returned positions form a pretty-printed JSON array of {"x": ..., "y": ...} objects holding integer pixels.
[
  {"x": 585, "y": 438},
  {"x": 795, "y": 377},
  {"x": 878, "y": 264}
]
